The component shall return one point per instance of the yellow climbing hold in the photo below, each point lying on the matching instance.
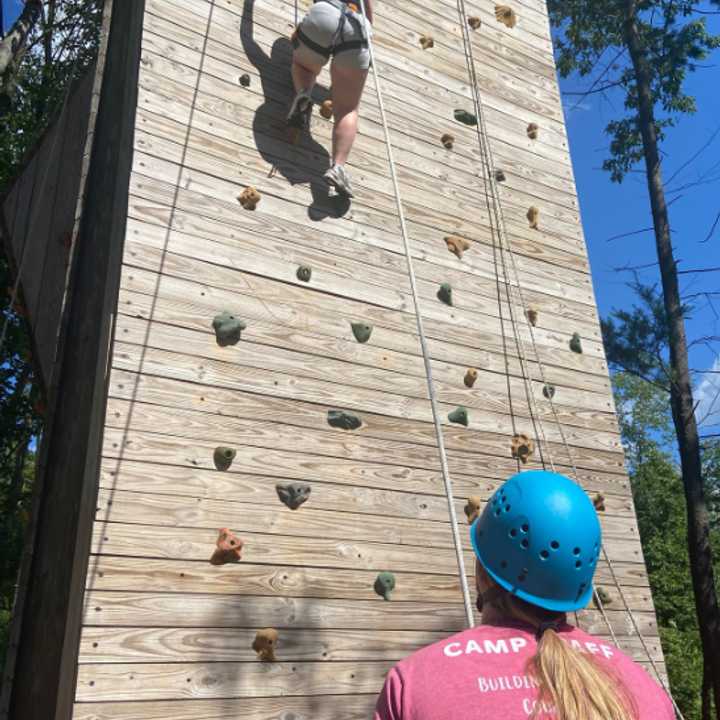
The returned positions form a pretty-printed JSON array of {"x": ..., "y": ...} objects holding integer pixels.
[
  {"x": 506, "y": 15},
  {"x": 249, "y": 198}
]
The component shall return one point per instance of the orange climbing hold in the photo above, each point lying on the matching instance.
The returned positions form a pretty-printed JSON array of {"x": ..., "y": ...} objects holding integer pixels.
[
  {"x": 265, "y": 643},
  {"x": 522, "y": 447},
  {"x": 249, "y": 198},
  {"x": 326, "y": 109},
  {"x": 457, "y": 245},
  {"x": 474, "y": 22},
  {"x": 506, "y": 15},
  {"x": 229, "y": 548},
  {"x": 426, "y": 42},
  {"x": 533, "y": 131},
  {"x": 472, "y": 508},
  {"x": 448, "y": 141}
]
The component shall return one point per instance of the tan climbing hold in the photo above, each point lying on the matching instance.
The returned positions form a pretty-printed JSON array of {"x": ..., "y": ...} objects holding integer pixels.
[
  {"x": 601, "y": 598},
  {"x": 533, "y": 216},
  {"x": 470, "y": 377},
  {"x": 426, "y": 42},
  {"x": 532, "y": 315},
  {"x": 326, "y": 109},
  {"x": 448, "y": 141},
  {"x": 472, "y": 508},
  {"x": 533, "y": 131},
  {"x": 265, "y": 643},
  {"x": 457, "y": 245},
  {"x": 229, "y": 548},
  {"x": 599, "y": 502},
  {"x": 506, "y": 15},
  {"x": 522, "y": 447},
  {"x": 474, "y": 22},
  {"x": 249, "y": 198}
]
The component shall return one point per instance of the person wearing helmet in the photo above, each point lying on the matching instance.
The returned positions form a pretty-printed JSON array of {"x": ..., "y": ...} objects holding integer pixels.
[
  {"x": 537, "y": 545},
  {"x": 337, "y": 29}
]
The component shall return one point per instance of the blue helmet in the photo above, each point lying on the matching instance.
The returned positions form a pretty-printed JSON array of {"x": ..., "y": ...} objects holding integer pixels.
[{"x": 539, "y": 538}]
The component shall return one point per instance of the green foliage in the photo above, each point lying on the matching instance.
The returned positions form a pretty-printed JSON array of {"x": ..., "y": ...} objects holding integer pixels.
[{"x": 590, "y": 41}]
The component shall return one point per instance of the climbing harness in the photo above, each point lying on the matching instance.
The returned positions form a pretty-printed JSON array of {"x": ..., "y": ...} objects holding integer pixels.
[
  {"x": 506, "y": 249},
  {"x": 348, "y": 14},
  {"x": 423, "y": 344}
]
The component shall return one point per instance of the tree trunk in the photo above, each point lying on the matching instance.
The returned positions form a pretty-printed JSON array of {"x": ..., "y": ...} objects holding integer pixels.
[
  {"x": 681, "y": 396},
  {"x": 706, "y": 708},
  {"x": 12, "y": 48}
]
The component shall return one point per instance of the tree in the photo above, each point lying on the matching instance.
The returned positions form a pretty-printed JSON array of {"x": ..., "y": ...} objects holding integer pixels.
[{"x": 653, "y": 44}]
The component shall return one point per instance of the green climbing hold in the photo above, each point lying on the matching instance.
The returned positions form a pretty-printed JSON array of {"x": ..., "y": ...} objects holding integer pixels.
[
  {"x": 549, "y": 391},
  {"x": 445, "y": 294},
  {"x": 293, "y": 494},
  {"x": 601, "y": 597},
  {"x": 465, "y": 117},
  {"x": 459, "y": 416},
  {"x": 361, "y": 331},
  {"x": 576, "y": 343},
  {"x": 304, "y": 273},
  {"x": 227, "y": 329},
  {"x": 245, "y": 80},
  {"x": 384, "y": 585},
  {"x": 223, "y": 457},
  {"x": 343, "y": 420}
]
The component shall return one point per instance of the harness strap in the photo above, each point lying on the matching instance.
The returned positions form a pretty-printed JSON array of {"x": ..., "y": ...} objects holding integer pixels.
[{"x": 347, "y": 12}]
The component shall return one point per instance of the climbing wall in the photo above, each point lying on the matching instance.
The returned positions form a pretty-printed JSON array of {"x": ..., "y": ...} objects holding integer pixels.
[{"x": 263, "y": 354}]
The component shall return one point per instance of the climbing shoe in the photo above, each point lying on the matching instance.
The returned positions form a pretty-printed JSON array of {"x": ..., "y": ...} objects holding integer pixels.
[
  {"x": 300, "y": 110},
  {"x": 337, "y": 177}
]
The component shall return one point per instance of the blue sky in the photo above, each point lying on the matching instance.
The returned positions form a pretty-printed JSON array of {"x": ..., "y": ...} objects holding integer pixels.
[{"x": 609, "y": 210}]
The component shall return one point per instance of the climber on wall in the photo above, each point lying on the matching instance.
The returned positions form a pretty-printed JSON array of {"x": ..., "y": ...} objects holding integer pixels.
[
  {"x": 537, "y": 545},
  {"x": 337, "y": 29}
]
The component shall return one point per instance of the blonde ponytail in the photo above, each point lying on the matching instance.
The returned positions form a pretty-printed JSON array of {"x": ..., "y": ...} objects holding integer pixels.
[{"x": 576, "y": 685}]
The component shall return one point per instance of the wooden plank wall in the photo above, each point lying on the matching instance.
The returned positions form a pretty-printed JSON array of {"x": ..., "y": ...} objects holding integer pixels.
[
  {"x": 167, "y": 634},
  {"x": 39, "y": 214}
]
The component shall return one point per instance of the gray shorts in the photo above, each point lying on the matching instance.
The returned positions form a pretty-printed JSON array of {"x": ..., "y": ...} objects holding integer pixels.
[{"x": 323, "y": 32}]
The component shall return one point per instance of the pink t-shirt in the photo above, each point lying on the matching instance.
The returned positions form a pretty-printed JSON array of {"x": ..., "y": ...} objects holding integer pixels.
[{"x": 481, "y": 673}]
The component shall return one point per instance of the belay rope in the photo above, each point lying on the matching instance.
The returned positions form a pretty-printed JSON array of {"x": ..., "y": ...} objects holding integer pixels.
[{"x": 507, "y": 259}]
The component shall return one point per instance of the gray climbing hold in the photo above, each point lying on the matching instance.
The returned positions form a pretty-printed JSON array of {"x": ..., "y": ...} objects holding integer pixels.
[
  {"x": 444, "y": 294},
  {"x": 228, "y": 329},
  {"x": 343, "y": 420},
  {"x": 549, "y": 391},
  {"x": 576, "y": 343},
  {"x": 500, "y": 176},
  {"x": 223, "y": 457},
  {"x": 459, "y": 416},
  {"x": 465, "y": 117},
  {"x": 361, "y": 331},
  {"x": 293, "y": 494},
  {"x": 304, "y": 273},
  {"x": 245, "y": 80},
  {"x": 384, "y": 585},
  {"x": 602, "y": 596}
]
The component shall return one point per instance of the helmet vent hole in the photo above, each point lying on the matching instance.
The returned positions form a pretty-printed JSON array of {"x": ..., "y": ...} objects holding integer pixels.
[
  {"x": 578, "y": 564},
  {"x": 497, "y": 512},
  {"x": 544, "y": 554},
  {"x": 513, "y": 533},
  {"x": 576, "y": 551},
  {"x": 503, "y": 564},
  {"x": 522, "y": 577},
  {"x": 524, "y": 543},
  {"x": 507, "y": 508},
  {"x": 554, "y": 544},
  {"x": 524, "y": 527}
]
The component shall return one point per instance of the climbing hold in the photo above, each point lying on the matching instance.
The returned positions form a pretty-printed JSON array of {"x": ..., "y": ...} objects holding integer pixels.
[
  {"x": 293, "y": 494},
  {"x": 474, "y": 22},
  {"x": 459, "y": 416},
  {"x": 532, "y": 315},
  {"x": 576, "y": 343},
  {"x": 500, "y": 176},
  {"x": 465, "y": 117},
  {"x": 229, "y": 548},
  {"x": 228, "y": 329},
  {"x": 532, "y": 131},
  {"x": 457, "y": 245},
  {"x": 506, "y": 15},
  {"x": 249, "y": 198},
  {"x": 447, "y": 140},
  {"x": 426, "y": 42},
  {"x": 549, "y": 391},
  {"x": 343, "y": 420},
  {"x": 445, "y": 294},
  {"x": 471, "y": 377},
  {"x": 245, "y": 80},
  {"x": 326, "y": 109},
  {"x": 472, "y": 508},
  {"x": 599, "y": 502},
  {"x": 533, "y": 216},
  {"x": 522, "y": 447},
  {"x": 223, "y": 457},
  {"x": 361, "y": 331},
  {"x": 264, "y": 644},
  {"x": 304, "y": 273},
  {"x": 384, "y": 585},
  {"x": 601, "y": 598}
]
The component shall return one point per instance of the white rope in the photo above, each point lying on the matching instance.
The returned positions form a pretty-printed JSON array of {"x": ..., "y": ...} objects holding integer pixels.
[
  {"x": 423, "y": 343},
  {"x": 506, "y": 247}
]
